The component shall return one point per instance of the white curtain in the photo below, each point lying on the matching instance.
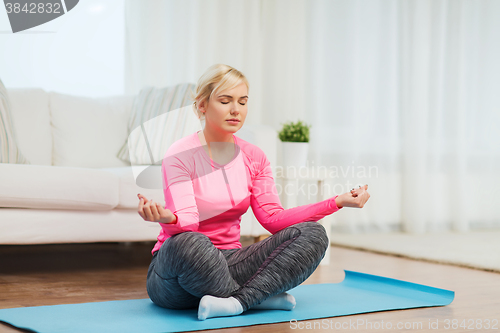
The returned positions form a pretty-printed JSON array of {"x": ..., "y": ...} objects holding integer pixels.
[{"x": 401, "y": 94}]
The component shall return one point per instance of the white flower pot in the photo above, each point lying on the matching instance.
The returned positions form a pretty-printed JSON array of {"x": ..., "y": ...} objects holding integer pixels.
[{"x": 295, "y": 154}]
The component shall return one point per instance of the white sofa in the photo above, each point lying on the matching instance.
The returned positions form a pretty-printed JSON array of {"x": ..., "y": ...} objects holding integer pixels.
[{"x": 76, "y": 190}]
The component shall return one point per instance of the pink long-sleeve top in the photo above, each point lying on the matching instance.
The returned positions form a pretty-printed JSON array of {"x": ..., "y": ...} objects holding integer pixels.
[{"x": 210, "y": 198}]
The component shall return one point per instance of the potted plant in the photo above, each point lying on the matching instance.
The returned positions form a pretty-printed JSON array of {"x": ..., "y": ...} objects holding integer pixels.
[{"x": 295, "y": 143}]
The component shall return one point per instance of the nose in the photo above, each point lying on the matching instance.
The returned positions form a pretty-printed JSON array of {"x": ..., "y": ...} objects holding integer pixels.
[{"x": 235, "y": 109}]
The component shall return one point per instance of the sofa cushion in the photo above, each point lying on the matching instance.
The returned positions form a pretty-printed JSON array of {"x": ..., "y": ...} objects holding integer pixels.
[
  {"x": 31, "y": 118},
  {"x": 52, "y": 187},
  {"x": 9, "y": 150},
  {"x": 88, "y": 132},
  {"x": 42, "y": 226},
  {"x": 159, "y": 118},
  {"x": 149, "y": 184}
]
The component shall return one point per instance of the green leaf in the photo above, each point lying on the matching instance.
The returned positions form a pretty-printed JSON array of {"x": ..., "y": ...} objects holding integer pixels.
[{"x": 294, "y": 132}]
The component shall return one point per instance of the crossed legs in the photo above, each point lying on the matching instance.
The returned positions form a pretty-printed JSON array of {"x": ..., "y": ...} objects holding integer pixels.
[{"x": 189, "y": 271}]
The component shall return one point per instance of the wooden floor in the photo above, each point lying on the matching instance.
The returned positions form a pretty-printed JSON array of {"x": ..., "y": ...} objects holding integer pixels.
[{"x": 62, "y": 274}]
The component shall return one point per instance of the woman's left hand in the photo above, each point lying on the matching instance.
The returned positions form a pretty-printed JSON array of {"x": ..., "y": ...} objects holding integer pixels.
[{"x": 356, "y": 198}]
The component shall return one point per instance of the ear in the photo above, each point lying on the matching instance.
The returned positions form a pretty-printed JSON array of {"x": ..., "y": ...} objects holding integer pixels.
[{"x": 201, "y": 106}]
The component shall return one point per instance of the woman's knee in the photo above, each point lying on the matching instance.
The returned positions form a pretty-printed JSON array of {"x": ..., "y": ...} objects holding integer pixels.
[
  {"x": 168, "y": 294},
  {"x": 189, "y": 251},
  {"x": 315, "y": 234},
  {"x": 188, "y": 238},
  {"x": 181, "y": 251},
  {"x": 185, "y": 242}
]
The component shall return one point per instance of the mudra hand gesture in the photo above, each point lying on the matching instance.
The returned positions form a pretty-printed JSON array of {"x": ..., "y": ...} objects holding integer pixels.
[
  {"x": 153, "y": 211},
  {"x": 356, "y": 198}
]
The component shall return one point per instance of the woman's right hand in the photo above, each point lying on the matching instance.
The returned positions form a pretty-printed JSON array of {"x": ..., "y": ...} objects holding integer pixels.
[
  {"x": 356, "y": 198},
  {"x": 154, "y": 212}
]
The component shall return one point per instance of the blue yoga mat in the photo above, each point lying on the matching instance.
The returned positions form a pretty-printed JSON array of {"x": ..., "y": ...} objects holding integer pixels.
[{"x": 357, "y": 293}]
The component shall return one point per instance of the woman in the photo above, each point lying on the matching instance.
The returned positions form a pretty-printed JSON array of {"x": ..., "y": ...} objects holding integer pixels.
[{"x": 210, "y": 179}]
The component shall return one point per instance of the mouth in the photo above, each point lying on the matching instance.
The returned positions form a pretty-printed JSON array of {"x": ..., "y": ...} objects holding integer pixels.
[{"x": 235, "y": 121}]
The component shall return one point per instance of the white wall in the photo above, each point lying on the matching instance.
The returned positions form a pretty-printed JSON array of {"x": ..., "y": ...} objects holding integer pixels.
[{"x": 79, "y": 53}]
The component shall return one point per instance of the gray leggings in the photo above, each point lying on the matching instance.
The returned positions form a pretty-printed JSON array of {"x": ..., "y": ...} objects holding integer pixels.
[{"x": 188, "y": 266}]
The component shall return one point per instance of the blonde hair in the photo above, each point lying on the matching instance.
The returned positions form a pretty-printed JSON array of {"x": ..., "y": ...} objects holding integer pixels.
[{"x": 217, "y": 78}]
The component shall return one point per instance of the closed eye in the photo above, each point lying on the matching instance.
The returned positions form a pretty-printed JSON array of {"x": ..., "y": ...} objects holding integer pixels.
[{"x": 228, "y": 102}]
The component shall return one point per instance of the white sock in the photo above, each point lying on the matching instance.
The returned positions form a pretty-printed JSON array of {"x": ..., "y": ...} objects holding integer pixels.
[
  {"x": 281, "y": 301},
  {"x": 211, "y": 306}
]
